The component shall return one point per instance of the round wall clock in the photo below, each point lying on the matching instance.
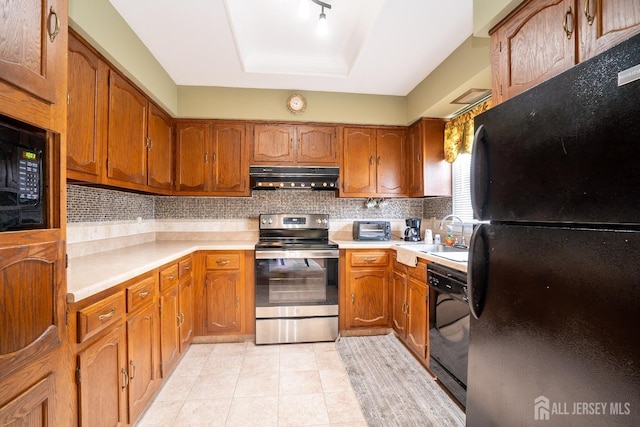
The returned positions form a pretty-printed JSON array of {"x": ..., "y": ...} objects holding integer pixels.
[{"x": 296, "y": 103}]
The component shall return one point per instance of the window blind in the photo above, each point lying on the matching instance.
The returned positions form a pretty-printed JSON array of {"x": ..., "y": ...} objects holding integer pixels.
[{"x": 461, "y": 177}]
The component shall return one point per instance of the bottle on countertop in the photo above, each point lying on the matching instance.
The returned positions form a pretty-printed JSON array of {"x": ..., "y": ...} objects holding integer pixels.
[{"x": 450, "y": 240}]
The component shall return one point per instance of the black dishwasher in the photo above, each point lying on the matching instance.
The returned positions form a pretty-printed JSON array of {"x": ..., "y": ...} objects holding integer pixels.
[{"x": 449, "y": 328}]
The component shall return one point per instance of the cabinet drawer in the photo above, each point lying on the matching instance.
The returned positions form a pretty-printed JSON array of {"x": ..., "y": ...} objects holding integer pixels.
[
  {"x": 366, "y": 259},
  {"x": 168, "y": 277},
  {"x": 184, "y": 268},
  {"x": 223, "y": 262},
  {"x": 140, "y": 293},
  {"x": 419, "y": 271},
  {"x": 98, "y": 316}
]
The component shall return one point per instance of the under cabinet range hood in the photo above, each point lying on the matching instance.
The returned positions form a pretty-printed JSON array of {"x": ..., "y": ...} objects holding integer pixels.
[{"x": 294, "y": 177}]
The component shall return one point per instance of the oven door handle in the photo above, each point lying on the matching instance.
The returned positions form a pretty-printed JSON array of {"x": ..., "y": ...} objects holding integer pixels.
[{"x": 299, "y": 254}]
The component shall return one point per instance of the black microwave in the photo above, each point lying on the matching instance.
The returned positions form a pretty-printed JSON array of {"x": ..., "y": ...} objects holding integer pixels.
[{"x": 22, "y": 176}]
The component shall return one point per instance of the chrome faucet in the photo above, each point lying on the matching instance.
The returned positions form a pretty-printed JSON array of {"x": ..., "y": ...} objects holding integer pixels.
[{"x": 454, "y": 217}]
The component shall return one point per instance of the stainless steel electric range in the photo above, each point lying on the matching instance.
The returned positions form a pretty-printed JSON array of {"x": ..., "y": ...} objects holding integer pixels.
[{"x": 296, "y": 272}]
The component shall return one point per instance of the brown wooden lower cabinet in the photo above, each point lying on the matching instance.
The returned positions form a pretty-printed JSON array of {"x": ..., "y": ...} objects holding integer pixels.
[
  {"x": 224, "y": 292},
  {"x": 410, "y": 302},
  {"x": 366, "y": 291}
]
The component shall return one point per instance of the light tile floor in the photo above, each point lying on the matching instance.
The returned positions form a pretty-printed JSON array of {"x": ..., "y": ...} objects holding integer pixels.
[{"x": 241, "y": 384}]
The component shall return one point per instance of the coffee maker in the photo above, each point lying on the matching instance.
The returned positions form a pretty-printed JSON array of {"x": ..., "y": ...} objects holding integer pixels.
[{"x": 412, "y": 232}]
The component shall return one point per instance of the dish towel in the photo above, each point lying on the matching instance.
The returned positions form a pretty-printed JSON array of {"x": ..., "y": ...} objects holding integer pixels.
[{"x": 406, "y": 256}]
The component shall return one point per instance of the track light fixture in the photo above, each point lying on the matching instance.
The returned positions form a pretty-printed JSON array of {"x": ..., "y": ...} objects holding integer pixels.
[{"x": 323, "y": 28}]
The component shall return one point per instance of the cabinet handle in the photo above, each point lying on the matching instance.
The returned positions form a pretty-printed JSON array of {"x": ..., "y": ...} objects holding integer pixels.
[
  {"x": 222, "y": 262},
  {"x": 206, "y": 157},
  {"x": 171, "y": 277},
  {"x": 107, "y": 315},
  {"x": 378, "y": 160},
  {"x": 179, "y": 320},
  {"x": 587, "y": 12},
  {"x": 133, "y": 370},
  {"x": 144, "y": 293},
  {"x": 237, "y": 301},
  {"x": 125, "y": 378},
  {"x": 56, "y": 24},
  {"x": 567, "y": 16},
  {"x": 353, "y": 298},
  {"x": 187, "y": 267},
  {"x": 371, "y": 160},
  {"x": 213, "y": 157},
  {"x": 370, "y": 259}
]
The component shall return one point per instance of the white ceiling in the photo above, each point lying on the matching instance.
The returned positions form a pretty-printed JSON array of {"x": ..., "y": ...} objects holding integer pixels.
[{"x": 383, "y": 47}]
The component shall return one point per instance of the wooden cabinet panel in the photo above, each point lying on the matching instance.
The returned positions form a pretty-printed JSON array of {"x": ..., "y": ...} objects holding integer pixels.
[
  {"x": 126, "y": 142},
  {"x": 192, "y": 156},
  {"x": 316, "y": 145},
  {"x": 102, "y": 381},
  {"x": 398, "y": 302},
  {"x": 222, "y": 261},
  {"x": 542, "y": 38},
  {"x": 417, "y": 305},
  {"x": 368, "y": 293},
  {"x": 391, "y": 161},
  {"x": 160, "y": 160},
  {"x": 186, "y": 314},
  {"x": 272, "y": 144},
  {"x": 142, "y": 344},
  {"x": 98, "y": 316},
  {"x": 140, "y": 293},
  {"x": 369, "y": 258},
  {"x": 33, "y": 407},
  {"x": 223, "y": 301},
  {"x": 169, "y": 277},
  {"x": 169, "y": 335},
  {"x": 87, "y": 104},
  {"x": 230, "y": 165},
  {"x": 611, "y": 23},
  {"x": 32, "y": 39},
  {"x": 533, "y": 46},
  {"x": 358, "y": 171}
]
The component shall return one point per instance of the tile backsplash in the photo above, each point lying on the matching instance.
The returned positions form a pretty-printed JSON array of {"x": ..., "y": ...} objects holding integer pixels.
[{"x": 90, "y": 204}]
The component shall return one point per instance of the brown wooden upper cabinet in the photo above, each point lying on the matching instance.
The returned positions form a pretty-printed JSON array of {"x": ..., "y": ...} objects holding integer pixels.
[
  {"x": 427, "y": 173},
  {"x": 281, "y": 144},
  {"x": 542, "y": 38},
  {"x": 374, "y": 160},
  {"x": 87, "y": 98},
  {"x": 32, "y": 41},
  {"x": 211, "y": 158}
]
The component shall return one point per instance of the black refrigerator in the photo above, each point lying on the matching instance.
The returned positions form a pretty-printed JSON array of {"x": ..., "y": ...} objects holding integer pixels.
[{"x": 554, "y": 266}]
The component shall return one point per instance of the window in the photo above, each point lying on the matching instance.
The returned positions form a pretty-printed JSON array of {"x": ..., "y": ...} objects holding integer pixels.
[{"x": 461, "y": 177}]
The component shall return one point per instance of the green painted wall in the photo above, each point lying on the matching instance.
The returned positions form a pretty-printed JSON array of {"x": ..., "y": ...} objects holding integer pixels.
[{"x": 468, "y": 67}]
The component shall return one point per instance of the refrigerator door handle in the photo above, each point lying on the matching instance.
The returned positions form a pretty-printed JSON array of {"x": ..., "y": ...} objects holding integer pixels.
[
  {"x": 479, "y": 173},
  {"x": 478, "y": 273}
]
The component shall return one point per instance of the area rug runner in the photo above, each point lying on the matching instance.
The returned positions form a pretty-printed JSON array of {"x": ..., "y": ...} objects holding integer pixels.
[{"x": 392, "y": 387}]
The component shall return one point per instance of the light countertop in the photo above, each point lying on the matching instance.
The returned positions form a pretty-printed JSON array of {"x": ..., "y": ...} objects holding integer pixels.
[{"x": 90, "y": 274}]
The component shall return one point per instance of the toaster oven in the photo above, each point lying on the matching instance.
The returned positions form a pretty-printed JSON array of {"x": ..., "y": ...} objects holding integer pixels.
[{"x": 371, "y": 230}]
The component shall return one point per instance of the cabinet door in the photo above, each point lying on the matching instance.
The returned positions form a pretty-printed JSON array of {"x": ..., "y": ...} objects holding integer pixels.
[
  {"x": 186, "y": 314},
  {"x": 368, "y": 303},
  {"x": 103, "y": 381},
  {"x": 604, "y": 24},
  {"x": 33, "y": 407},
  {"x": 316, "y": 145},
  {"x": 192, "y": 157},
  {"x": 126, "y": 143},
  {"x": 437, "y": 171},
  {"x": 417, "y": 304},
  {"x": 532, "y": 46},
  {"x": 169, "y": 336},
  {"x": 399, "y": 295},
  {"x": 31, "y": 41},
  {"x": 359, "y": 156},
  {"x": 230, "y": 164},
  {"x": 223, "y": 290},
  {"x": 415, "y": 161},
  {"x": 391, "y": 162},
  {"x": 272, "y": 144},
  {"x": 142, "y": 342},
  {"x": 87, "y": 103},
  {"x": 31, "y": 303},
  {"x": 160, "y": 162}
]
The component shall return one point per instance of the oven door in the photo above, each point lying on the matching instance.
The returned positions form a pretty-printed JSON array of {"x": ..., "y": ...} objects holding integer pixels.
[{"x": 296, "y": 283}]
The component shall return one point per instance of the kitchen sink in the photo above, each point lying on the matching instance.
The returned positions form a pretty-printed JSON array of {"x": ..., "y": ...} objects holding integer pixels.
[{"x": 422, "y": 247}]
